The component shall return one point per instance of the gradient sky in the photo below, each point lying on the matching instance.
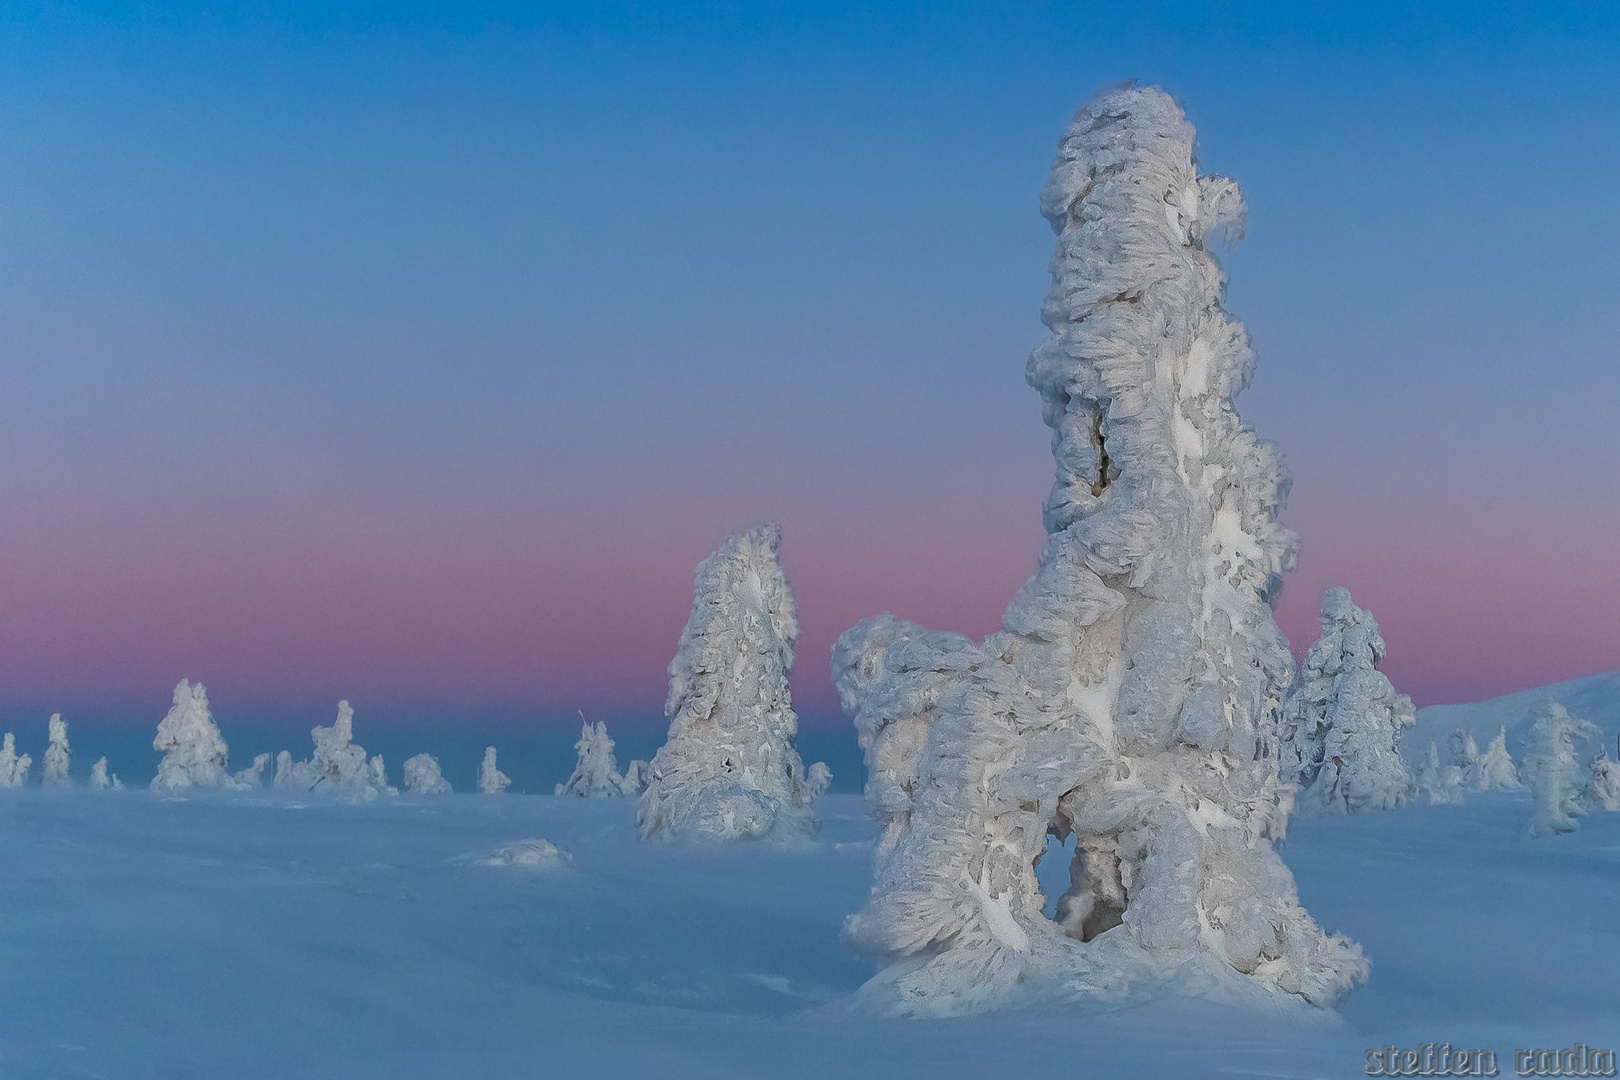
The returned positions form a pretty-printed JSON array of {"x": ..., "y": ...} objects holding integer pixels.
[{"x": 416, "y": 353}]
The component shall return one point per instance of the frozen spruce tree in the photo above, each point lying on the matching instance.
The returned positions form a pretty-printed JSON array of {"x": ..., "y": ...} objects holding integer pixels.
[
  {"x": 729, "y": 769},
  {"x": 1132, "y": 699},
  {"x": 491, "y": 781},
  {"x": 1437, "y": 781},
  {"x": 100, "y": 780},
  {"x": 1603, "y": 784},
  {"x": 13, "y": 766},
  {"x": 338, "y": 766},
  {"x": 1552, "y": 770},
  {"x": 1495, "y": 771},
  {"x": 422, "y": 776},
  {"x": 194, "y": 752},
  {"x": 1342, "y": 724},
  {"x": 57, "y": 755},
  {"x": 596, "y": 775}
]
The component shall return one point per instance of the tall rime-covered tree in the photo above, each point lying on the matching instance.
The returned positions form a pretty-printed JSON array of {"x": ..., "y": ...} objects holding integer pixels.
[
  {"x": 1495, "y": 771},
  {"x": 729, "y": 769},
  {"x": 1133, "y": 697},
  {"x": 1551, "y": 768},
  {"x": 1343, "y": 722},
  {"x": 194, "y": 752},
  {"x": 13, "y": 766},
  {"x": 57, "y": 753}
]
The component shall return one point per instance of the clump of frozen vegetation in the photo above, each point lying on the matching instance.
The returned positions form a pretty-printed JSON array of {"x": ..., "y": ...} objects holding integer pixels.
[
  {"x": 194, "y": 752},
  {"x": 1551, "y": 769},
  {"x": 729, "y": 769},
  {"x": 57, "y": 755},
  {"x": 338, "y": 765},
  {"x": 1341, "y": 727},
  {"x": 491, "y": 781},
  {"x": 1440, "y": 783},
  {"x": 1464, "y": 756},
  {"x": 13, "y": 766},
  {"x": 100, "y": 780},
  {"x": 1603, "y": 784},
  {"x": 1495, "y": 771},
  {"x": 1133, "y": 698},
  {"x": 422, "y": 776},
  {"x": 596, "y": 774},
  {"x": 253, "y": 775},
  {"x": 635, "y": 777}
]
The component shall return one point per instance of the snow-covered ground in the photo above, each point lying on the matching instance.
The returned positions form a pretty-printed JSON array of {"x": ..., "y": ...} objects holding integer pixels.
[{"x": 262, "y": 936}]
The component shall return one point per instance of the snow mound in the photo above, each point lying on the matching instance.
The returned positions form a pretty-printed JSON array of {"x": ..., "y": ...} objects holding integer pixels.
[
  {"x": 1133, "y": 699},
  {"x": 532, "y": 854},
  {"x": 338, "y": 766},
  {"x": 729, "y": 769}
]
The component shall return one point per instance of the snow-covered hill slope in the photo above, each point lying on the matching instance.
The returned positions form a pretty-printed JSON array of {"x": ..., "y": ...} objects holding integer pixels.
[
  {"x": 1596, "y": 697},
  {"x": 263, "y": 937}
]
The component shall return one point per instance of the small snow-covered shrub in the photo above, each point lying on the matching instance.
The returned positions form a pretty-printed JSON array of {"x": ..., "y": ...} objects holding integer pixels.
[
  {"x": 422, "y": 776},
  {"x": 491, "y": 781},
  {"x": 1343, "y": 722},
  {"x": 1603, "y": 784},
  {"x": 13, "y": 766},
  {"x": 729, "y": 769},
  {"x": 596, "y": 774},
  {"x": 101, "y": 781},
  {"x": 194, "y": 752},
  {"x": 1439, "y": 782},
  {"x": 338, "y": 765},
  {"x": 1552, "y": 771},
  {"x": 1495, "y": 771},
  {"x": 57, "y": 755}
]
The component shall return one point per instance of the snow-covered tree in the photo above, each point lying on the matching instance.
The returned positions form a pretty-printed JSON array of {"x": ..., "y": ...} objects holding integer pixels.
[
  {"x": 194, "y": 752},
  {"x": 491, "y": 781},
  {"x": 13, "y": 766},
  {"x": 101, "y": 781},
  {"x": 1602, "y": 784},
  {"x": 1438, "y": 782},
  {"x": 1341, "y": 726},
  {"x": 338, "y": 765},
  {"x": 729, "y": 769},
  {"x": 1495, "y": 771},
  {"x": 1552, "y": 771},
  {"x": 1133, "y": 698},
  {"x": 422, "y": 776},
  {"x": 635, "y": 777},
  {"x": 253, "y": 775},
  {"x": 1464, "y": 756},
  {"x": 57, "y": 754},
  {"x": 596, "y": 774}
]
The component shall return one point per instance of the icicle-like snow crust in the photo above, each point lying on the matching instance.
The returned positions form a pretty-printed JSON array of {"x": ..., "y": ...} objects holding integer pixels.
[
  {"x": 1132, "y": 699},
  {"x": 1343, "y": 723},
  {"x": 729, "y": 769}
]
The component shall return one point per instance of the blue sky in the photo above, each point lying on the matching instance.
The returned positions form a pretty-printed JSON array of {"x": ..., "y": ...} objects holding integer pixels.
[{"x": 417, "y": 351}]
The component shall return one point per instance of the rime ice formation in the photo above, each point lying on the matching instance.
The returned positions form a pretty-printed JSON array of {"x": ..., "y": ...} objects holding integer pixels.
[
  {"x": 338, "y": 765},
  {"x": 729, "y": 769},
  {"x": 194, "y": 752},
  {"x": 57, "y": 754},
  {"x": 1549, "y": 767},
  {"x": 101, "y": 781},
  {"x": 635, "y": 777},
  {"x": 422, "y": 776},
  {"x": 1341, "y": 726},
  {"x": 13, "y": 767},
  {"x": 491, "y": 781},
  {"x": 1495, "y": 771},
  {"x": 1133, "y": 697},
  {"x": 596, "y": 775},
  {"x": 253, "y": 775},
  {"x": 1603, "y": 784},
  {"x": 1438, "y": 782}
]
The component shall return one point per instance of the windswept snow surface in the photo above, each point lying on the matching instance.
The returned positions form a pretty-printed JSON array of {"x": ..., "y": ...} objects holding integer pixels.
[{"x": 252, "y": 936}]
